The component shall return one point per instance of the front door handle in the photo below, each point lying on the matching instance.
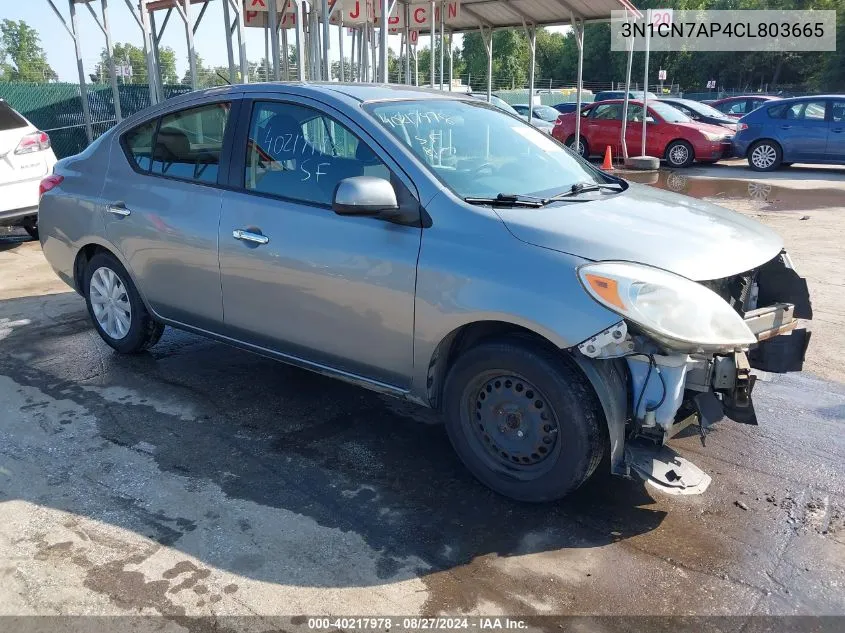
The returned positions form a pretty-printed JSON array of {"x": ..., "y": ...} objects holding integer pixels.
[
  {"x": 118, "y": 209},
  {"x": 786, "y": 127},
  {"x": 249, "y": 236},
  {"x": 836, "y": 130}
]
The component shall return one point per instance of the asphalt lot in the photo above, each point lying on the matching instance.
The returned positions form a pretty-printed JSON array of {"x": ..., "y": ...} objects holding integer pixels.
[{"x": 202, "y": 480}]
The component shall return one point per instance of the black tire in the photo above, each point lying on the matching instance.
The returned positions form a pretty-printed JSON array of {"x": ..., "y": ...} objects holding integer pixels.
[
  {"x": 573, "y": 419},
  {"x": 585, "y": 148},
  {"x": 32, "y": 229},
  {"x": 143, "y": 331},
  {"x": 679, "y": 154},
  {"x": 765, "y": 155}
]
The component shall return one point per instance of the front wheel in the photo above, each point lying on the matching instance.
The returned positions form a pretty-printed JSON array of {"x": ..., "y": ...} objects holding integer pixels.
[
  {"x": 581, "y": 147},
  {"x": 680, "y": 154},
  {"x": 764, "y": 156},
  {"x": 116, "y": 308},
  {"x": 523, "y": 419}
]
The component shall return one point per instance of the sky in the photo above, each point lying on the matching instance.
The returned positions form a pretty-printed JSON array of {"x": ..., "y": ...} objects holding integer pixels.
[{"x": 209, "y": 41}]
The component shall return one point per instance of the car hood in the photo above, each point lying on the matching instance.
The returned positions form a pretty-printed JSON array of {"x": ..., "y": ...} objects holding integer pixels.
[{"x": 689, "y": 237}]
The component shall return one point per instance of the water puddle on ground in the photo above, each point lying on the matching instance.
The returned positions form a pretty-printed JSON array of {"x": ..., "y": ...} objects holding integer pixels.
[{"x": 763, "y": 196}]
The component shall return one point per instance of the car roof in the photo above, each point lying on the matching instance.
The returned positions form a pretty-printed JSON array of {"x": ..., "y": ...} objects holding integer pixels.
[{"x": 356, "y": 91}]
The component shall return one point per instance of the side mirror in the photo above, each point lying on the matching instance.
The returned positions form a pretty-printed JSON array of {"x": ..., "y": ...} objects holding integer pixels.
[
  {"x": 650, "y": 119},
  {"x": 364, "y": 195}
]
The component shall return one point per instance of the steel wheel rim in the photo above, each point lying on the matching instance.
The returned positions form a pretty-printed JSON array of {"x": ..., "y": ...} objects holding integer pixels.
[
  {"x": 764, "y": 156},
  {"x": 679, "y": 154},
  {"x": 110, "y": 303},
  {"x": 578, "y": 146},
  {"x": 512, "y": 425}
]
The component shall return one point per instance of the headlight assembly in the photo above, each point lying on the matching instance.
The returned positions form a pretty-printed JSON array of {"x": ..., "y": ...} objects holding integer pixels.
[{"x": 682, "y": 313}]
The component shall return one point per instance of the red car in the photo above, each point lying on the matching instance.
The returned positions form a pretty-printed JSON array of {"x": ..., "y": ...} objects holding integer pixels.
[
  {"x": 671, "y": 134},
  {"x": 738, "y": 107}
]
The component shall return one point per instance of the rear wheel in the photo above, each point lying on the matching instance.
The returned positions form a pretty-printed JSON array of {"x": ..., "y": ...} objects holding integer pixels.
[
  {"x": 581, "y": 148},
  {"x": 523, "y": 419},
  {"x": 679, "y": 154},
  {"x": 116, "y": 308},
  {"x": 765, "y": 156}
]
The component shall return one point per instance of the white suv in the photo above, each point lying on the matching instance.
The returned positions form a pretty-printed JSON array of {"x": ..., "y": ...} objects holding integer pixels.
[{"x": 25, "y": 158}]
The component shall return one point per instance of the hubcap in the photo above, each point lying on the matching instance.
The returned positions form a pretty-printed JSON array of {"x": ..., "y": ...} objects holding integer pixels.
[
  {"x": 110, "y": 303},
  {"x": 513, "y": 423},
  {"x": 764, "y": 156},
  {"x": 679, "y": 154},
  {"x": 578, "y": 147}
]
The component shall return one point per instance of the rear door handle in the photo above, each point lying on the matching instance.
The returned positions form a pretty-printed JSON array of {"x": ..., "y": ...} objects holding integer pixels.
[
  {"x": 786, "y": 127},
  {"x": 836, "y": 130},
  {"x": 118, "y": 209},
  {"x": 249, "y": 236}
]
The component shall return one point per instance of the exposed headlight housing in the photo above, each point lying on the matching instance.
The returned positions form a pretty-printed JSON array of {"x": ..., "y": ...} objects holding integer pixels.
[
  {"x": 682, "y": 314},
  {"x": 713, "y": 137}
]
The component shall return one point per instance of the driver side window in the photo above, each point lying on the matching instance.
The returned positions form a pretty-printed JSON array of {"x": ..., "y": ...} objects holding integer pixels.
[{"x": 302, "y": 154}]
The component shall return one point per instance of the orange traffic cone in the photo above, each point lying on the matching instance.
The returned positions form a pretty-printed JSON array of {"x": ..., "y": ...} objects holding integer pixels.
[{"x": 607, "y": 165}]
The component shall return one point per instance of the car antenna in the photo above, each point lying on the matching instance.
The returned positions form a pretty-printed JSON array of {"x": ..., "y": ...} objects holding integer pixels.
[{"x": 219, "y": 74}]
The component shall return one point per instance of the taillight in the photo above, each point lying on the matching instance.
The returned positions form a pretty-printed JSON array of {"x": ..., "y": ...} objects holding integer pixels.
[
  {"x": 49, "y": 183},
  {"x": 35, "y": 142},
  {"x": 741, "y": 126}
]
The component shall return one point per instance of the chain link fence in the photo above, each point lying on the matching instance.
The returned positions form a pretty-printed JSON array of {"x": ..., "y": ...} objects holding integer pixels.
[{"x": 56, "y": 108}]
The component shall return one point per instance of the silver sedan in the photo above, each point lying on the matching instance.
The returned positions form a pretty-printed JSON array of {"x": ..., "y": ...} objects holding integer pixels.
[{"x": 434, "y": 248}]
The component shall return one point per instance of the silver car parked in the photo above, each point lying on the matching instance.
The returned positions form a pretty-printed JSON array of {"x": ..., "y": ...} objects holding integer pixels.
[{"x": 431, "y": 247}]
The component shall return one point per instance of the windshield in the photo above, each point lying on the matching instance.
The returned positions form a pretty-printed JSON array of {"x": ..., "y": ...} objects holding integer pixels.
[
  {"x": 668, "y": 113},
  {"x": 704, "y": 109},
  {"x": 498, "y": 102},
  {"x": 547, "y": 113},
  {"x": 477, "y": 151}
]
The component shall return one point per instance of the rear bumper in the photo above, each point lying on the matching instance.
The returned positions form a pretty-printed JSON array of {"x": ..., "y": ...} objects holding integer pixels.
[{"x": 13, "y": 217}]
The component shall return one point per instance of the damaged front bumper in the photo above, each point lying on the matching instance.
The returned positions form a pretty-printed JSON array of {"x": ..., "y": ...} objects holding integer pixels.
[{"x": 668, "y": 392}]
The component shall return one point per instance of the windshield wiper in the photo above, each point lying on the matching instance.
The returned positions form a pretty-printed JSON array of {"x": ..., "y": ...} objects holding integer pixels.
[
  {"x": 524, "y": 200},
  {"x": 509, "y": 199},
  {"x": 586, "y": 187}
]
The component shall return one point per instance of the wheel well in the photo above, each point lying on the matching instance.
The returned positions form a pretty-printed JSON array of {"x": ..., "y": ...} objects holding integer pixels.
[
  {"x": 760, "y": 140},
  {"x": 464, "y": 338},
  {"x": 82, "y": 258}
]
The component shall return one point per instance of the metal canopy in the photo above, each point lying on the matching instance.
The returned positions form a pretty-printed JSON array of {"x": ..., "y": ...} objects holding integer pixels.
[{"x": 504, "y": 14}]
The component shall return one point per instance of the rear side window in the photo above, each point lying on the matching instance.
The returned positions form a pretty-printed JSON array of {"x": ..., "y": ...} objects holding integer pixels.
[
  {"x": 189, "y": 143},
  {"x": 778, "y": 111},
  {"x": 838, "y": 111},
  {"x": 9, "y": 119},
  {"x": 608, "y": 111},
  {"x": 807, "y": 110},
  {"x": 139, "y": 145}
]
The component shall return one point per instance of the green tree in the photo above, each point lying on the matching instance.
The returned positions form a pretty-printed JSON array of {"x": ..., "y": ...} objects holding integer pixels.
[
  {"x": 21, "y": 55},
  {"x": 131, "y": 55}
]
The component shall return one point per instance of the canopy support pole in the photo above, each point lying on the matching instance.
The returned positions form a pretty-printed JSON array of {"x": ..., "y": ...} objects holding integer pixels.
[
  {"x": 433, "y": 23},
  {"x": 624, "y": 139},
  {"x": 83, "y": 88},
  {"x": 442, "y": 42},
  {"x": 487, "y": 37},
  {"x": 230, "y": 54},
  {"x": 300, "y": 39},
  {"x": 342, "y": 71},
  {"x": 645, "y": 82},
  {"x": 531, "y": 32},
  {"x": 385, "y": 18},
  {"x": 578, "y": 25}
]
